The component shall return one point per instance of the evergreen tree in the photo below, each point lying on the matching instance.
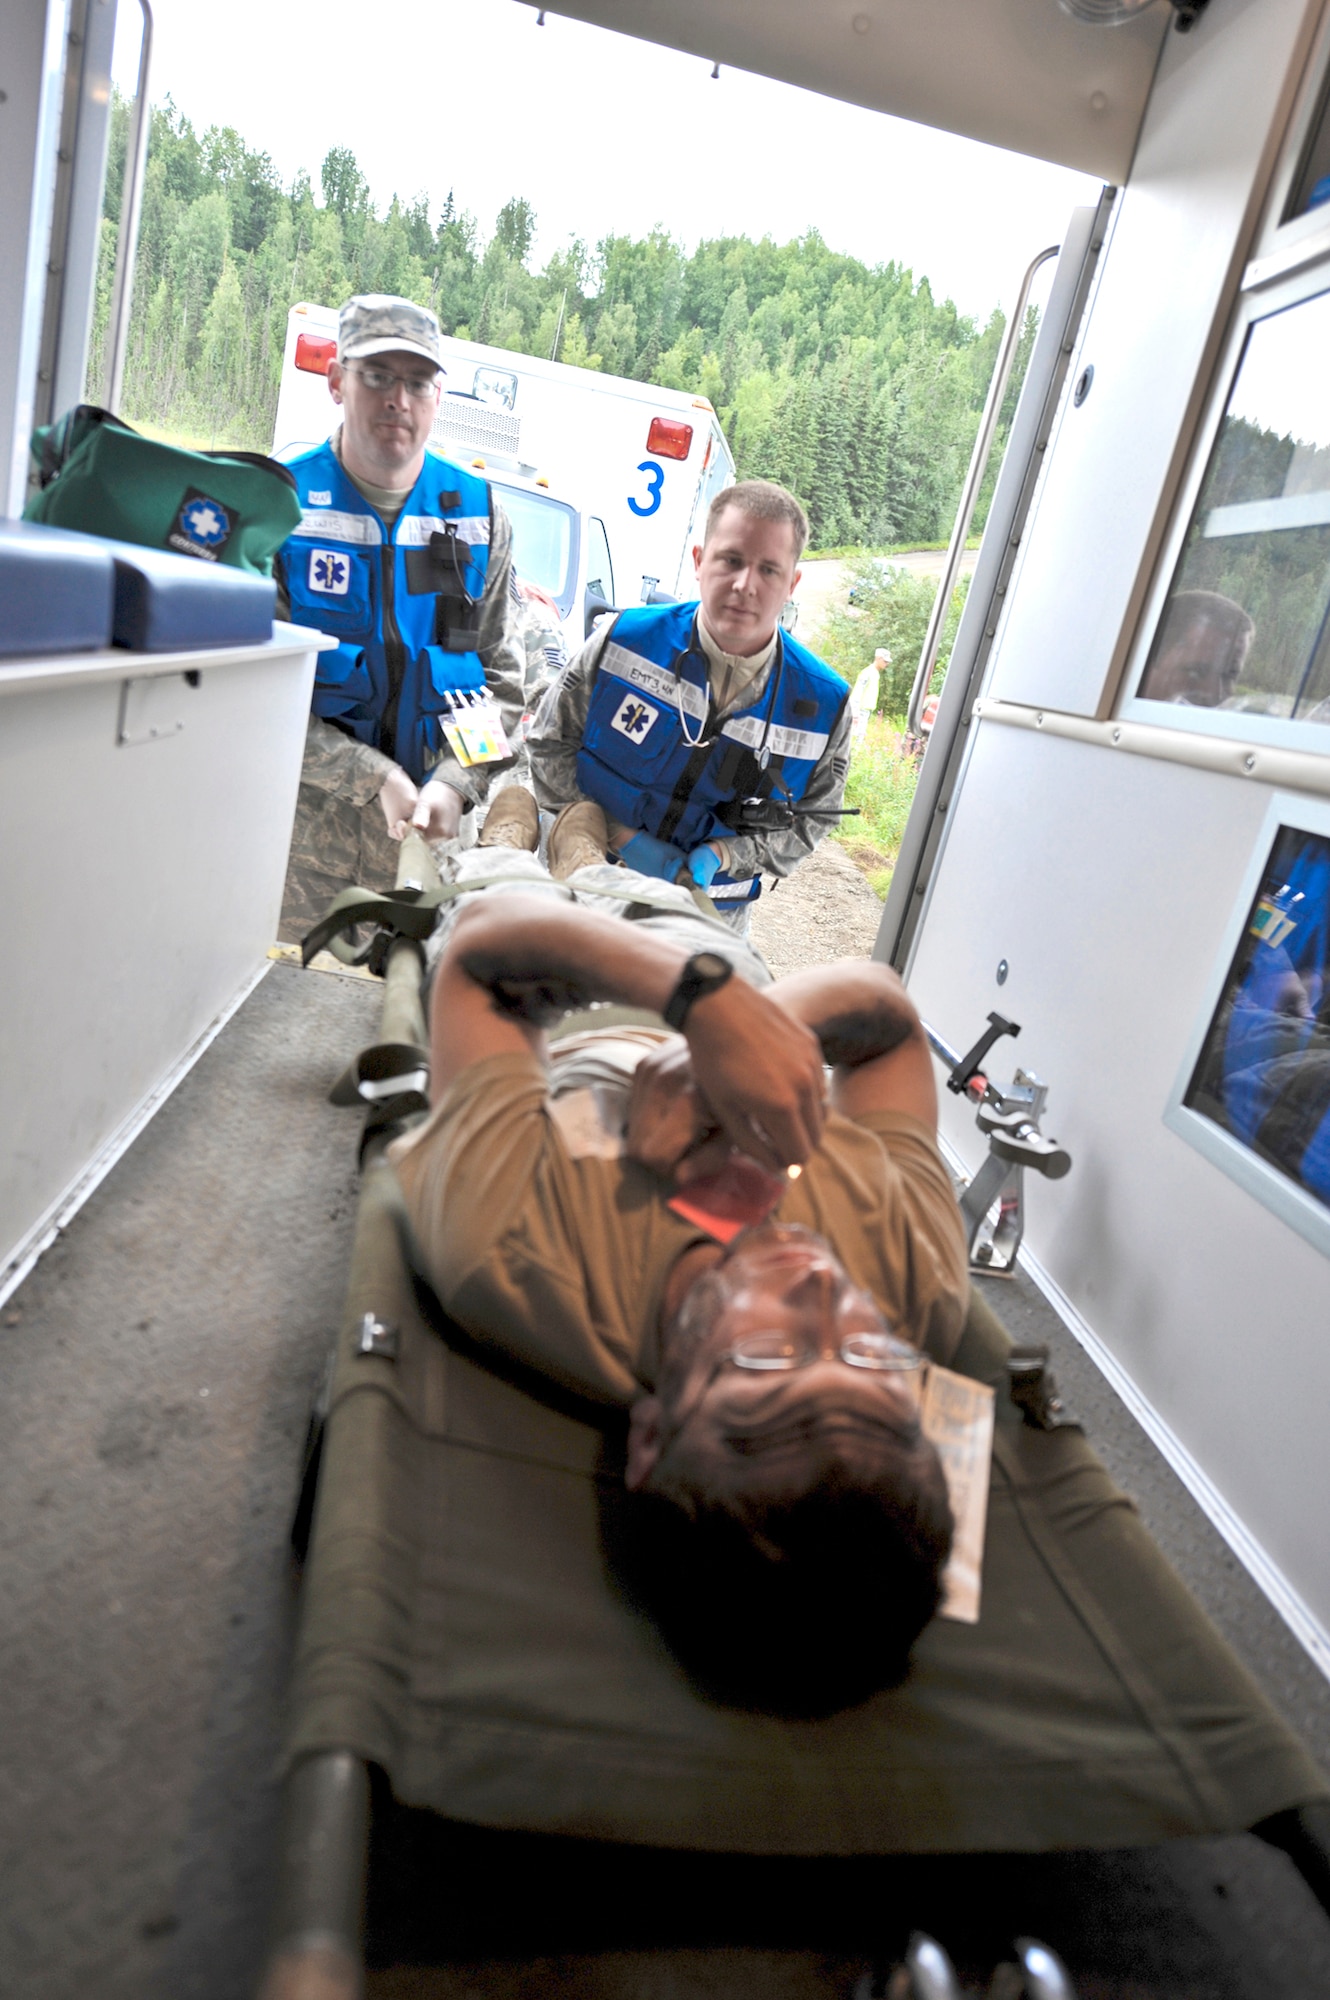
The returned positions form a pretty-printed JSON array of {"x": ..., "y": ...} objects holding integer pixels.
[
  {"x": 852, "y": 385},
  {"x": 514, "y": 226}
]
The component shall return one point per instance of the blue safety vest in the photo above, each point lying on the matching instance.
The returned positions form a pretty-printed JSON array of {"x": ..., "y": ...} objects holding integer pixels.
[
  {"x": 400, "y": 654},
  {"x": 653, "y": 760}
]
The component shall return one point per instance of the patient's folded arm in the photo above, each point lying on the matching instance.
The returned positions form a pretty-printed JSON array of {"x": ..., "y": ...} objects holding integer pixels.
[
  {"x": 538, "y": 1001},
  {"x": 759, "y": 1067},
  {"x": 861, "y": 1034}
]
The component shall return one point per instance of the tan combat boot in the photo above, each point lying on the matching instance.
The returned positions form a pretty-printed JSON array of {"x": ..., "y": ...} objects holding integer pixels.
[
  {"x": 578, "y": 839},
  {"x": 513, "y": 820}
]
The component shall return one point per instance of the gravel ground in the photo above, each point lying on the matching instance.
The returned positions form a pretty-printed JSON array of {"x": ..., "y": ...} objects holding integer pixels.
[{"x": 824, "y": 910}]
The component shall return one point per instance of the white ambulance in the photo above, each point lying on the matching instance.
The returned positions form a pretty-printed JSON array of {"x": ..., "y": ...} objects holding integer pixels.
[{"x": 646, "y": 462}]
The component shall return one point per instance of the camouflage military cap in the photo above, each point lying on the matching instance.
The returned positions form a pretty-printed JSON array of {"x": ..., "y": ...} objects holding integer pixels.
[{"x": 376, "y": 323}]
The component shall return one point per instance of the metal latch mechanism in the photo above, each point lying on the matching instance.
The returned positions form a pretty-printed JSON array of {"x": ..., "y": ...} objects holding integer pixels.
[
  {"x": 993, "y": 1205},
  {"x": 389, "y": 1072},
  {"x": 1034, "y": 1390},
  {"x": 376, "y": 1336}
]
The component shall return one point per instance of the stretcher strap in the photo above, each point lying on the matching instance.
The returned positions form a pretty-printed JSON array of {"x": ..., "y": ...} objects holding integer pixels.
[
  {"x": 406, "y": 913},
  {"x": 414, "y": 913},
  {"x": 648, "y": 905}
]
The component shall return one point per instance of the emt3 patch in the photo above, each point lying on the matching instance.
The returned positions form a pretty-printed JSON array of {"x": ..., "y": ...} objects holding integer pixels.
[
  {"x": 634, "y": 718},
  {"x": 329, "y": 572}
]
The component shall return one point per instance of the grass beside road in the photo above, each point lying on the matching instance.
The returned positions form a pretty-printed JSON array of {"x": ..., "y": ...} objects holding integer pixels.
[{"x": 881, "y": 783}]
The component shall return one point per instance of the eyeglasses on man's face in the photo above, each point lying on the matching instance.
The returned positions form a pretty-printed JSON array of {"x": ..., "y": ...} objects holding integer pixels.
[
  {"x": 381, "y": 380},
  {"x": 778, "y": 1353}
]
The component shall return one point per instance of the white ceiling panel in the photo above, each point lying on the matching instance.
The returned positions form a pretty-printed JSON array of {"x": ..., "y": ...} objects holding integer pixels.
[{"x": 1016, "y": 73}]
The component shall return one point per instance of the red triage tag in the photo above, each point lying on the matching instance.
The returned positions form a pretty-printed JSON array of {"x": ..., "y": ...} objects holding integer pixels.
[{"x": 741, "y": 1195}]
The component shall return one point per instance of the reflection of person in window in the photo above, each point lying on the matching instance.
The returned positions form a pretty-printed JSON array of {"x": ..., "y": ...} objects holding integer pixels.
[
  {"x": 1199, "y": 650},
  {"x": 1277, "y": 1043}
]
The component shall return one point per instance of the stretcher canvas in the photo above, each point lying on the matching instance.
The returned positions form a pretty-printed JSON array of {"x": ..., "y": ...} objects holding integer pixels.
[{"x": 462, "y": 1631}]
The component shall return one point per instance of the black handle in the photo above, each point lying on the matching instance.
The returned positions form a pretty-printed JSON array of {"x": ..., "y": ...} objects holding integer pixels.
[{"x": 968, "y": 1066}]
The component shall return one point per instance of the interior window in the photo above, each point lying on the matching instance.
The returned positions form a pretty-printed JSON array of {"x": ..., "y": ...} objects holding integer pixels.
[
  {"x": 1263, "y": 1075},
  {"x": 1244, "y": 628}
]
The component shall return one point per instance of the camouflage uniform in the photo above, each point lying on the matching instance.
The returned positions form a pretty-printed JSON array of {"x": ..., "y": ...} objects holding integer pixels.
[
  {"x": 340, "y": 836},
  {"x": 542, "y": 641},
  {"x": 541, "y": 636}
]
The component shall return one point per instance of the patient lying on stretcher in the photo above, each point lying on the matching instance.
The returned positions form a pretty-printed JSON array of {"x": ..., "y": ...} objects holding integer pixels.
[{"x": 569, "y": 1196}]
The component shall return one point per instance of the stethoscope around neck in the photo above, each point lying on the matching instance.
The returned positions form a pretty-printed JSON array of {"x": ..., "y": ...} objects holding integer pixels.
[{"x": 694, "y": 650}]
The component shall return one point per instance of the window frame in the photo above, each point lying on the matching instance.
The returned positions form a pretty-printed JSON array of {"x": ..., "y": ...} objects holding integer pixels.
[
  {"x": 1303, "y": 1211},
  {"x": 1282, "y": 234},
  {"x": 1309, "y": 281},
  {"x": 596, "y": 530}
]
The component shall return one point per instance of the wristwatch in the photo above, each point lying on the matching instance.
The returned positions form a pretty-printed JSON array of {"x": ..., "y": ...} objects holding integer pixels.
[{"x": 705, "y": 972}]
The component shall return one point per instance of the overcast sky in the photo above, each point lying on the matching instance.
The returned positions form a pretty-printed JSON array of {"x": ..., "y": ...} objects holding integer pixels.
[
  {"x": 601, "y": 133},
  {"x": 1282, "y": 384}
]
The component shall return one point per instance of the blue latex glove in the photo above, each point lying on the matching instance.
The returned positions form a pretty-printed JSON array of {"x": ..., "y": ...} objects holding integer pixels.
[
  {"x": 704, "y": 866},
  {"x": 653, "y": 857}
]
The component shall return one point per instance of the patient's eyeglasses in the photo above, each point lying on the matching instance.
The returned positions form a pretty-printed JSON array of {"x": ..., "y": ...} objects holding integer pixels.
[
  {"x": 780, "y": 1352},
  {"x": 381, "y": 380}
]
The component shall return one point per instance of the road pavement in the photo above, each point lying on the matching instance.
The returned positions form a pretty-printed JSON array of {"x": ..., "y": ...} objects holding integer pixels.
[{"x": 825, "y": 583}]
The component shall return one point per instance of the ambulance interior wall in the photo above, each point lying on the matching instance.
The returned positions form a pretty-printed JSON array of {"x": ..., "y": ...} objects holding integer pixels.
[
  {"x": 1108, "y": 881},
  {"x": 141, "y": 885}
]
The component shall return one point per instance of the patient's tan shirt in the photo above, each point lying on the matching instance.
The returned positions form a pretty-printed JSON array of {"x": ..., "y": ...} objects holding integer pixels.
[{"x": 562, "y": 1261}]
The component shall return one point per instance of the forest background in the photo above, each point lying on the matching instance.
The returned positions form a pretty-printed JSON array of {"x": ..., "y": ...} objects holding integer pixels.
[{"x": 851, "y": 385}]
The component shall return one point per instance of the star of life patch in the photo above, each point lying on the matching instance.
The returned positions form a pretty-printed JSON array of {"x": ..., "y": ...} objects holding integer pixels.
[
  {"x": 203, "y": 526},
  {"x": 634, "y": 718},
  {"x": 329, "y": 572}
]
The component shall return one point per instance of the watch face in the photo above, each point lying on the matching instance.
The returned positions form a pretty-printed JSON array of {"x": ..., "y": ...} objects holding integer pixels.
[{"x": 709, "y": 965}]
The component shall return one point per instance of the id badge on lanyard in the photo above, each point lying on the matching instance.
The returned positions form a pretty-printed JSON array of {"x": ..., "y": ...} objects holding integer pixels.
[{"x": 474, "y": 728}]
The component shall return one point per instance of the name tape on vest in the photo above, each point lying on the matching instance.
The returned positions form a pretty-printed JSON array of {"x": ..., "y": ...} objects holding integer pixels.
[
  {"x": 414, "y": 530},
  {"x": 330, "y": 524},
  {"x": 653, "y": 680},
  {"x": 752, "y": 731}
]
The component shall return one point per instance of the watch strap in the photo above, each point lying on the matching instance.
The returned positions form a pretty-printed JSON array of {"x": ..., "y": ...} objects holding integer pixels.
[{"x": 706, "y": 972}]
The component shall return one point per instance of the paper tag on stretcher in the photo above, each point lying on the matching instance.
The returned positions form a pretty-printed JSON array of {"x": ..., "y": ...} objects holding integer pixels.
[
  {"x": 475, "y": 730},
  {"x": 957, "y": 1418}
]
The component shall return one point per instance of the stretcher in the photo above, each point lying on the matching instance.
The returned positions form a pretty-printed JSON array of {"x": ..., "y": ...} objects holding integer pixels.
[{"x": 463, "y": 1633}]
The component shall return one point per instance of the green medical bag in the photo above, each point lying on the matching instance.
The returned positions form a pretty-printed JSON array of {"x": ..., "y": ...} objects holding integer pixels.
[{"x": 100, "y": 476}]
